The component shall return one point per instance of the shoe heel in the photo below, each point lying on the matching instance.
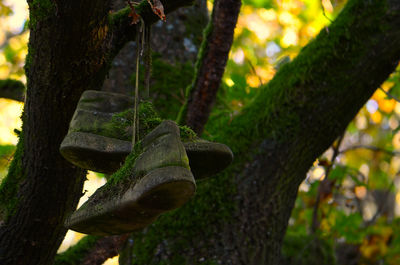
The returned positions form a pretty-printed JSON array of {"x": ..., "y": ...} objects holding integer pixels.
[{"x": 166, "y": 188}]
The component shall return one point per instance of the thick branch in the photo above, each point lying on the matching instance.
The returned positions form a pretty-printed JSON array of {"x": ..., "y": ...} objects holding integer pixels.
[
  {"x": 12, "y": 89},
  {"x": 294, "y": 119},
  {"x": 303, "y": 110},
  {"x": 371, "y": 148},
  {"x": 211, "y": 64},
  {"x": 91, "y": 250},
  {"x": 66, "y": 47},
  {"x": 104, "y": 249}
]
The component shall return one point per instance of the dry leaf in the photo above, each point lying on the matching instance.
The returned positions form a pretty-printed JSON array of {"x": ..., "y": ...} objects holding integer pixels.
[{"x": 158, "y": 8}]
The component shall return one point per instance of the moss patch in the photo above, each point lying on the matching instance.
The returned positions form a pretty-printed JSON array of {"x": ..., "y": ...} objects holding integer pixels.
[
  {"x": 40, "y": 10},
  {"x": 120, "y": 125},
  {"x": 126, "y": 170},
  {"x": 10, "y": 185},
  {"x": 11, "y": 84},
  {"x": 148, "y": 120},
  {"x": 75, "y": 254},
  {"x": 168, "y": 82},
  {"x": 278, "y": 113}
]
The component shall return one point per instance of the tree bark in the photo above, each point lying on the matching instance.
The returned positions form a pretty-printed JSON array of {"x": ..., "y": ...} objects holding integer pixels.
[
  {"x": 211, "y": 64},
  {"x": 177, "y": 41},
  {"x": 70, "y": 48},
  {"x": 12, "y": 89},
  {"x": 240, "y": 216}
]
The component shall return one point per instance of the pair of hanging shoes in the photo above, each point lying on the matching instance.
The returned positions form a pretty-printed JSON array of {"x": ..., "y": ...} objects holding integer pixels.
[
  {"x": 99, "y": 138},
  {"x": 156, "y": 176}
]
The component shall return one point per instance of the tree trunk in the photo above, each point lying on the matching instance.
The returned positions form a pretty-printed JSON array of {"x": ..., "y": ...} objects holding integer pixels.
[
  {"x": 240, "y": 216},
  {"x": 70, "y": 48}
]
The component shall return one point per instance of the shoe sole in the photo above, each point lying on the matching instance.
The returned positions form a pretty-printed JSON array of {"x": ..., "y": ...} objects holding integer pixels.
[
  {"x": 136, "y": 206},
  {"x": 93, "y": 152}
]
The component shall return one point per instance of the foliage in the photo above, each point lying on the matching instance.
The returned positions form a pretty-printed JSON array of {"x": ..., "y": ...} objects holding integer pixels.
[
  {"x": 5, "y": 10},
  {"x": 304, "y": 249}
]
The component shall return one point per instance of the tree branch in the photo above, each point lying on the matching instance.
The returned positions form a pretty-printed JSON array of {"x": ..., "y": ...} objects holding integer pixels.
[
  {"x": 122, "y": 29},
  {"x": 371, "y": 148},
  {"x": 210, "y": 64},
  {"x": 325, "y": 186},
  {"x": 277, "y": 137},
  {"x": 104, "y": 249},
  {"x": 91, "y": 250},
  {"x": 76, "y": 254},
  {"x": 12, "y": 89}
]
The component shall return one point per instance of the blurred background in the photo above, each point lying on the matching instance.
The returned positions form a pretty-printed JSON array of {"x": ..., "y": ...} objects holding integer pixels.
[{"x": 348, "y": 207}]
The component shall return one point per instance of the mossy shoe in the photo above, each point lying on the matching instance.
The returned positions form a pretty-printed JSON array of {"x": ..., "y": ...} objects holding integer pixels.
[
  {"x": 87, "y": 144},
  {"x": 154, "y": 179},
  {"x": 100, "y": 132}
]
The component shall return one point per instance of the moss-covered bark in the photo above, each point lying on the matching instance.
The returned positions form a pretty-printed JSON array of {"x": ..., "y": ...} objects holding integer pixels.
[
  {"x": 70, "y": 48},
  {"x": 210, "y": 66},
  {"x": 12, "y": 89},
  {"x": 240, "y": 216}
]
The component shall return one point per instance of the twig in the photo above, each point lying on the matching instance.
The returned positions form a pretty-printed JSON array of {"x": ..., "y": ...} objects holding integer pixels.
[
  {"x": 323, "y": 12},
  {"x": 389, "y": 95},
  {"x": 210, "y": 65},
  {"x": 371, "y": 148},
  {"x": 381, "y": 206},
  {"x": 254, "y": 70},
  {"x": 315, "y": 222}
]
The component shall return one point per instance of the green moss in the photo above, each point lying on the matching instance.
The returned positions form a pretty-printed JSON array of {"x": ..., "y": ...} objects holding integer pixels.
[
  {"x": 199, "y": 62},
  {"x": 6, "y": 153},
  {"x": 168, "y": 82},
  {"x": 194, "y": 26},
  {"x": 278, "y": 113},
  {"x": 75, "y": 254},
  {"x": 12, "y": 84},
  {"x": 28, "y": 59},
  {"x": 10, "y": 185},
  {"x": 118, "y": 128},
  {"x": 40, "y": 10},
  {"x": 125, "y": 171},
  {"x": 118, "y": 17},
  {"x": 120, "y": 125},
  {"x": 187, "y": 134}
]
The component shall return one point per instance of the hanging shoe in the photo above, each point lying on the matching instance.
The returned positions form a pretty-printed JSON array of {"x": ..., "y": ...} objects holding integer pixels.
[
  {"x": 154, "y": 179},
  {"x": 100, "y": 133}
]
